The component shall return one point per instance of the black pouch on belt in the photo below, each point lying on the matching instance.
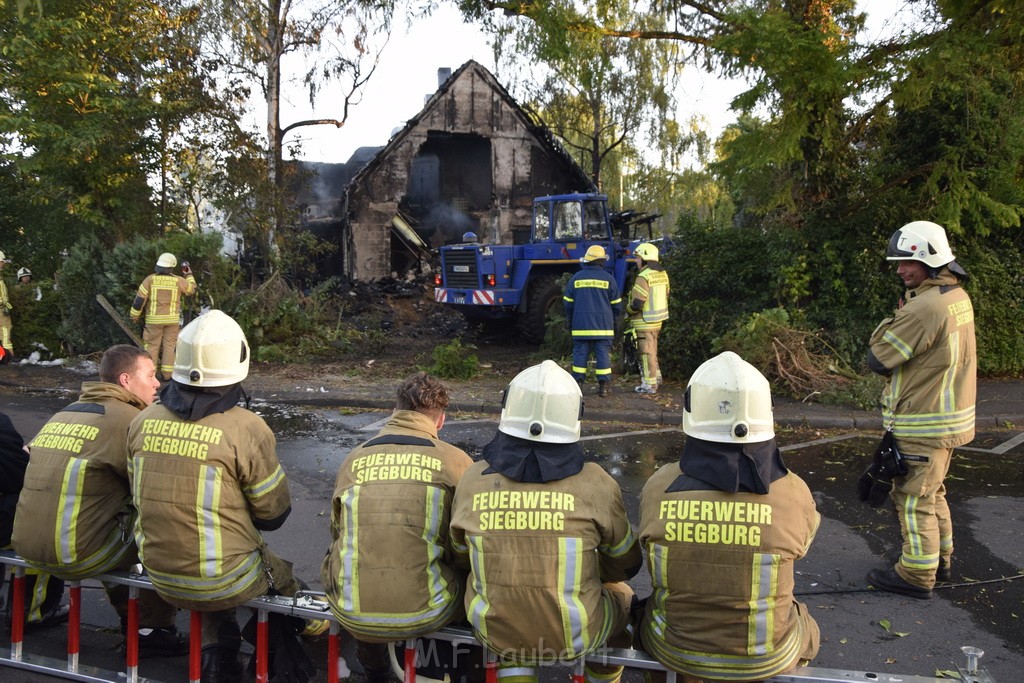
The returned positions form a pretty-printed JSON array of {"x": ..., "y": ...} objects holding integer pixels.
[{"x": 874, "y": 485}]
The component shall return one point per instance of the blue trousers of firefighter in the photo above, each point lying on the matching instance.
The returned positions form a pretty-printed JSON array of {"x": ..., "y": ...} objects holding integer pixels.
[{"x": 602, "y": 349}]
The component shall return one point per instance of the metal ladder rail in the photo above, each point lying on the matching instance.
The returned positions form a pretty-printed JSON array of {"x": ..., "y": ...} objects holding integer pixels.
[{"x": 311, "y": 605}]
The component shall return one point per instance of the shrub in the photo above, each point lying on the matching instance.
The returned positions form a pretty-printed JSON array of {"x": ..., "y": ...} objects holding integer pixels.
[{"x": 452, "y": 361}]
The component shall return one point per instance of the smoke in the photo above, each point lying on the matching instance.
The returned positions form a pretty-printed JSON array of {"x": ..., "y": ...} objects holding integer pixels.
[{"x": 444, "y": 224}]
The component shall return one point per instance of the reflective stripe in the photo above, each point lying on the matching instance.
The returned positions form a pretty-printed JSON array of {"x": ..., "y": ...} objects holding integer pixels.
[
  {"x": 568, "y": 298},
  {"x": 350, "y": 567},
  {"x": 436, "y": 585},
  {"x": 620, "y": 548},
  {"x": 266, "y": 486},
  {"x": 478, "y": 607},
  {"x": 910, "y": 521},
  {"x": 593, "y": 333},
  {"x": 578, "y": 370},
  {"x": 599, "y": 372},
  {"x": 763, "y": 587},
  {"x": 657, "y": 558},
  {"x": 574, "y": 616},
  {"x": 901, "y": 346},
  {"x": 208, "y": 521},
  {"x": 523, "y": 671},
  {"x": 930, "y": 424},
  {"x": 948, "y": 401},
  {"x": 235, "y": 582},
  {"x": 70, "y": 505},
  {"x": 592, "y": 284},
  {"x": 135, "y": 473}
]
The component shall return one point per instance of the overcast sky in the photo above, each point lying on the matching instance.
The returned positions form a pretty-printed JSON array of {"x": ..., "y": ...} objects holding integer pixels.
[{"x": 408, "y": 72}]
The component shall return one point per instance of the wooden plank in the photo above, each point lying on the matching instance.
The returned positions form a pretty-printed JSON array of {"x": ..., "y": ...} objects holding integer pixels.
[{"x": 112, "y": 312}]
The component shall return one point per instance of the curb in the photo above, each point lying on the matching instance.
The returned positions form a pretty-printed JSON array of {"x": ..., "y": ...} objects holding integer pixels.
[{"x": 868, "y": 422}]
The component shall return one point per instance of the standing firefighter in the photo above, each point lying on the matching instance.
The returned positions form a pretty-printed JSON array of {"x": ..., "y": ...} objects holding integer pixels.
[
  {"x": 6, "y": 347},
  {"x": 159, "y": 298},
  {"x": 206, "y": 481},
  {"x": 75, "y": 514},
  {"x": 592, "y": 303},
  {"x": 926, "y": 351},
  {"x": 647, "y": 308},
  {"x": 545, "y": 535},
  {"x": 721, "y": 529},
  {"x": 389, "y": 574}
]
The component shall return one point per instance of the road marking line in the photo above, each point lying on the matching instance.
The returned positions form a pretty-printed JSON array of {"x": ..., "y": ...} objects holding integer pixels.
[
  {"x": 618, "y": 435},
  {"x": 818, "y": 442},
  {"x": 375, "y": 426},
  {"x": 1007, "y": 445}
]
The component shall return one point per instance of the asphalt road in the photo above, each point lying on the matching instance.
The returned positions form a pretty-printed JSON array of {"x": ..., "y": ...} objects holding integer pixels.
[{"x": 862, "y": 629}]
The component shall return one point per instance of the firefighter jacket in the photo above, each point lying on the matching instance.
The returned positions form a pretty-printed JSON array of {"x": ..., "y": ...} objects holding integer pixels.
[
  {"x": 5, "y": 299},
  {"x": 13, "y": 463},
  {"x": 927, "y": 350},
  {"x": 390, "y": 572},
  {"x": 159, "y": 296},
  {"x": 203, "y": 489},
  {"x": 592, "y": 303},
  {"x": 721, "y": 567},
  {"x": 75, "y": 515},
  {"x": 539, "y": 552},
  {"x": 648, "y": 300}
]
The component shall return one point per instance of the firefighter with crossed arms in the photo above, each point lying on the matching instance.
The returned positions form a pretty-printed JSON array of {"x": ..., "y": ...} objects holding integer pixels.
[
  {"x": 926, "y": 351},
  {"x": 75, "y": 514}
]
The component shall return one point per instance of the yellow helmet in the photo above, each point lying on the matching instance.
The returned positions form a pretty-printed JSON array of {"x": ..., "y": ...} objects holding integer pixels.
[
  {"x": 594, "y": 253},
  {"x": 646, "y": 251},
  {"x": 728, "y": 401},
  {"x": 166, "y": 260},
  {"x": 542, "y": 403},
  {"x": 211, "y": 352}
]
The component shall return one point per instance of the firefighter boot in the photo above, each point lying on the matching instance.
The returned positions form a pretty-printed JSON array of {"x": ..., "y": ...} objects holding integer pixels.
[
  {"x": 944, "y": 574},
  {"x": 221, "y": 665},
  {"x": 889, "y": 580},
  {"x": 604, "y": 389}
]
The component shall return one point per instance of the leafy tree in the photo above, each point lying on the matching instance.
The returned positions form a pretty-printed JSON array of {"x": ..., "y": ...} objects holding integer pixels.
[
  {"x": 90, "y": 96},
  {"x": 342, "y": 41}
]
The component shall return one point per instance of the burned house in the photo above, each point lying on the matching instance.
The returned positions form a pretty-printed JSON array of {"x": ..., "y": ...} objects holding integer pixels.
[{"x": 471, "y": 160}]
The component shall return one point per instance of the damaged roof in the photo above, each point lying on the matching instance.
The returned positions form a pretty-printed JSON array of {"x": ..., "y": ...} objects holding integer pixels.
[{"x": 530, "y": 121}]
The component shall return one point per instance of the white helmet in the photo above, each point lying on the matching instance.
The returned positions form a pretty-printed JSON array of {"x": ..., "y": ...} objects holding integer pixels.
[
  {"x": 166, "y": 260},
  {"x": 2, "y": 257},
  {"x": 922, "y": 241},
  {"x": 647, "y": 251},
  {"x": 22, "y": 272},
  {"x": 212, "y": 352},
  {"x": 542, "y": 403},
  {"x": 728, "y": 401}
]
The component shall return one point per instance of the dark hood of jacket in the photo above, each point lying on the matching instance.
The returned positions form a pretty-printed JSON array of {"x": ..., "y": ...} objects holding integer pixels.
[
  {"x": 531, "y": 462},
  {"x": 195, "y": 403},
  {"x": 730, "y": 467}
]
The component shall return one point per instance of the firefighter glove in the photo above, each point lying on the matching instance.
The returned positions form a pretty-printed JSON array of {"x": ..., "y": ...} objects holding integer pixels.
[{"x": 874, "y": 485}]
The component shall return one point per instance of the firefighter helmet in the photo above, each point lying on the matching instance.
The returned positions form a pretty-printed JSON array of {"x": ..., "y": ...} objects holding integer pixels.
[
  {"x": 22, "y": 272},
  {"x": 922, "y": 241},
  {"x": 646, "y": 251},
  {"x": 212, "y": 352},
  {"x": 166, "y": 260},
  {"x": 594, "y": 253},
  {"x": 542, "y": 403},
  {"x": 727, "y": 400},
  {"x": 2, "y": 257}
]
